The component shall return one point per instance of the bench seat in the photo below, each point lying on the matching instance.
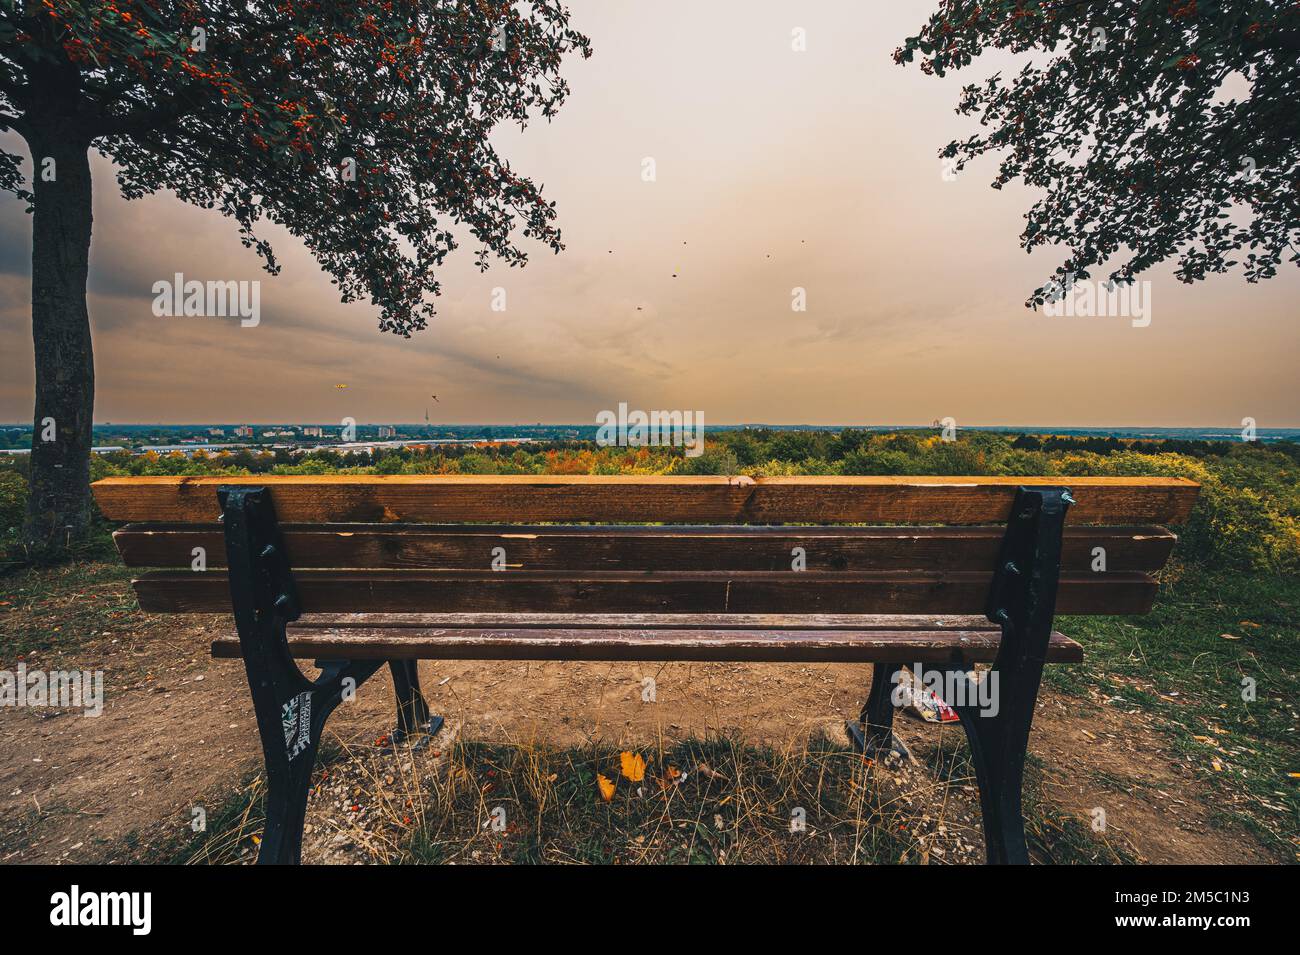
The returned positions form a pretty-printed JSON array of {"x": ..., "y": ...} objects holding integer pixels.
[{"x": 753, "y": 638}]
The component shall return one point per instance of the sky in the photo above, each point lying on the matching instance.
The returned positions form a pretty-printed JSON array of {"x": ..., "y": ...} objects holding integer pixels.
[{"x": 776, "y": 169}]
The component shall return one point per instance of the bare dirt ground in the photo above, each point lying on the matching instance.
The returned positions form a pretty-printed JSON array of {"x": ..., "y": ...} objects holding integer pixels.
[{"x": 178, "y": 732}]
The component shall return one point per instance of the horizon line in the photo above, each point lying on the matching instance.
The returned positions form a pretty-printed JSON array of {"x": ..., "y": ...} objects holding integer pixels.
[{"x": 723, "y": 425}]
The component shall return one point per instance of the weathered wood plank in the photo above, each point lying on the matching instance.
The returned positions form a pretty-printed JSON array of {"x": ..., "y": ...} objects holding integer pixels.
[
  {"x": 677, "y": 592},
  {"x": 723, "y": 548},
  {"x": 965, "y": 500},
  {"x": 625, "y": 498},
  {"x": 646, "y": 621},
  {"x": 788, "y": 646}
]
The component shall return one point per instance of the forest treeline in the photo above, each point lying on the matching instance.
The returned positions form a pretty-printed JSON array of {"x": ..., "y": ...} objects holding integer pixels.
[{"x": 1248, "y": 516}]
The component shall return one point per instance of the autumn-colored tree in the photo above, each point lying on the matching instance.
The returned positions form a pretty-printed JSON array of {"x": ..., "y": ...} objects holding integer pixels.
[
  {"x": 361, "y": 127},
  {"x": 1156, "y": 130}
]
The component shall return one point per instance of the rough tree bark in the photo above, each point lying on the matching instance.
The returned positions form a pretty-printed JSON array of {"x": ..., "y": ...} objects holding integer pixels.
[{"x": 59, "y": 507}]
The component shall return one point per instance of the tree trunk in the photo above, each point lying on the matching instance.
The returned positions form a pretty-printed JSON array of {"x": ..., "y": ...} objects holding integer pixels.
[{"x": 59, "y": 507}]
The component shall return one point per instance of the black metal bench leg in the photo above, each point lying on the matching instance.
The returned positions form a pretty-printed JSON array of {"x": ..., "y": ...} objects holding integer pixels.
[
  {"x": 291, "y": 710},
  {"x": 874, "y": 730},
  {"x": 290, "y": 738},
  {"x": 997, "y": 722},
  {"x": 413, "y": 716},
  {"x": 998, "y": 745},
  {"x": 286, "y": 809}
]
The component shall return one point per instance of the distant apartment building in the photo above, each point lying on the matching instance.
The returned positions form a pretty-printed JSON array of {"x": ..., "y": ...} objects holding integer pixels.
[
  {"x": 387, "y": 431},
  {"x": 313, "y": 432},
  {"x": 243, "y": 431},
  {"x": 217, "y": 432}
]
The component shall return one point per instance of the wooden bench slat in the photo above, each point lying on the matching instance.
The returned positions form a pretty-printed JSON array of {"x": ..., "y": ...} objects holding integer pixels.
[
  {"x": 645, "y": 621},
  {"x": 680, "y": 592},
  {"x": 623, "y": 498},
  {"x": 734, "y": 548},
  {"x": 777, "y": 646}
]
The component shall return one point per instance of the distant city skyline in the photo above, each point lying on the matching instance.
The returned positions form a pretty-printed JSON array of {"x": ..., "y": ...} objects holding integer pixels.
[{"x": 776, "y": 171}]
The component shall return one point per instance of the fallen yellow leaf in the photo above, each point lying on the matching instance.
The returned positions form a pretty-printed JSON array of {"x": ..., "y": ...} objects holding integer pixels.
[
  {"x": 633, "y": 766},
  {"x": 606, "y": 787}
]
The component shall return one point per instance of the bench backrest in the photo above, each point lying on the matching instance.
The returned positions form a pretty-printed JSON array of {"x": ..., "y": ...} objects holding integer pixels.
[{"x": 362, "y": 543}]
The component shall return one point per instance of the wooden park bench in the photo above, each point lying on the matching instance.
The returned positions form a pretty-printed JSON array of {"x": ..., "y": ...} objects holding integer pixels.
[{"x": 358, "y": 571}]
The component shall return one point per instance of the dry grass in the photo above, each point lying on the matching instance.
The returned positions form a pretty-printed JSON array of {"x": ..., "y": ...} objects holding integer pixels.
[{"x": 700, "y": 801}]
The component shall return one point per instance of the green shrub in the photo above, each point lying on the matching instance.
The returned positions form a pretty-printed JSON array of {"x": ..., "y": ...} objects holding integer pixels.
[
  {"x": 712, "y": 461},
  {"x": 879, "y": 462}
]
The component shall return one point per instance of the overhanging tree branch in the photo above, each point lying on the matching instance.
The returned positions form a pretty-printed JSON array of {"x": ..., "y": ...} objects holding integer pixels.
[{"x": 1127, "y": 129}]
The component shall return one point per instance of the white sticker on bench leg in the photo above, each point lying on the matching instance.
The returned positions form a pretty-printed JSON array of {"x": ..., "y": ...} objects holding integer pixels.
[{"x": 295, "y": 720}]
